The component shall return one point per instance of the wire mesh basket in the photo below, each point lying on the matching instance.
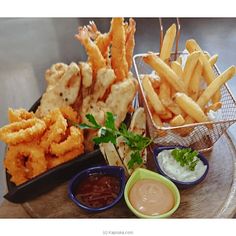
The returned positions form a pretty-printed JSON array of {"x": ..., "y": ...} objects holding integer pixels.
[{"x": 200, "y": 136}]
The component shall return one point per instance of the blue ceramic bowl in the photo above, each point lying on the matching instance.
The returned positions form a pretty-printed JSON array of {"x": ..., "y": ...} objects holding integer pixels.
[
  {"x": 180, "y": 184},
  {"x": 106, "y": 170}
]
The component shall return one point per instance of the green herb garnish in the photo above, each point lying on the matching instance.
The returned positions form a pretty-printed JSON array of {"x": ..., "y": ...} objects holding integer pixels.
[
  {"x": 185, "y": 157},
  {"x": 109, "y": 133}
]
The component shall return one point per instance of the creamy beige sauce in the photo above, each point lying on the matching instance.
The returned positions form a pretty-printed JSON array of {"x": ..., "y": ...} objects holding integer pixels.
[{"x": 151, "y": 197}]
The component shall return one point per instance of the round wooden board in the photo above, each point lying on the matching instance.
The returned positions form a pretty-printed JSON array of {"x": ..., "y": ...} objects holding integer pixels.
[{"x": 213, "y": 198}]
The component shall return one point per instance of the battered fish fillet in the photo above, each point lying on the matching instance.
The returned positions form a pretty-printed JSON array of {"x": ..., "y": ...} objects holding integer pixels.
[
  {"x": 86, "y": 73},
  {"x": 87, "y": 81},
  {"x": 62, "y": 92},
  {"x": 105, "y": 78},
  {"x": 54, "y": 74},
  {"x": 91, "y": 104},
  {"x": 120, "y": 98}
]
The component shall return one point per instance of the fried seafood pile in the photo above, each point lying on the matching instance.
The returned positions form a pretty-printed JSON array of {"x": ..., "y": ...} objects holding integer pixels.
[
  {"x": 36, "y": 145},
  {"x": 113, "y": 87},
  {"x": 104, "y": 83}
]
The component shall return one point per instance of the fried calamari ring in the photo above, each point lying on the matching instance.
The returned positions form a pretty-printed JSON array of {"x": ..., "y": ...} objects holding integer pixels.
[
  {"x": 22, "y": 131},
  {"x": 19, "y": 115},
  {"x": 73, "y": 141},
  {"x": 25, "y": 161},
  {"x": 57, "y": 127},
  {"x": 70, "y": 114},
  {"x": 55, "y": 161}
]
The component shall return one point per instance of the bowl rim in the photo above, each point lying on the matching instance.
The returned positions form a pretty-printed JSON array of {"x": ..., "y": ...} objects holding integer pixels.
[
  {"x": 157, "y": 150},
  {"x": 163, "y": 180},
  {"x": 96, "y": 169}
]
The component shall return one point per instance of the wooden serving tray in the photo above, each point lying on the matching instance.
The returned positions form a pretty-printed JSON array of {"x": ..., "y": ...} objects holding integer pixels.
[{"x": 215, "y": 197}]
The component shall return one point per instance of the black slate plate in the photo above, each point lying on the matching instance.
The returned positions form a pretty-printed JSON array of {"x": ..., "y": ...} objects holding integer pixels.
[{"x": 53, "y": 177}]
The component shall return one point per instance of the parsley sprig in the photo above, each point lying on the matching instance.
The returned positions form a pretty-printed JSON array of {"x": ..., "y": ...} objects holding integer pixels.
[
  {"x": 109, "y": 133},
  {"x": 186, "y": 157}
]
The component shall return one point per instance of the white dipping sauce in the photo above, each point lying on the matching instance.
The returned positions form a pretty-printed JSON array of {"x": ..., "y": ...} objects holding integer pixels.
[{"x": 174, "y": 170}]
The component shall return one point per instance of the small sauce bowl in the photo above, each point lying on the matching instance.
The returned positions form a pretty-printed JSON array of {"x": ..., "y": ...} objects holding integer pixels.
[
  {"x": 143, "y": 174},
  {"x": 112, "y": 171},
  {"x": 180, "y": 184}
]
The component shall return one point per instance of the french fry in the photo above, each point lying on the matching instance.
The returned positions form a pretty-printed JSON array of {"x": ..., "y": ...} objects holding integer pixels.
[
  {"x": 157, "y": 120},
  {"x": 166, "y": 116},
  {"x": 208, "y": 72},
  {"x": 164, "y": 70},
  {"x": 164, "y": 93},
  {"x": 213, "y": 59},
  {"x": 152, "y": 96},
  {"x": 150, "y": 106},
  {"x": 175, "y": 109},
  {"x": 194, "y": 84},
  {"x": 177, "y": 68},
  {"x": 177, "y": 121},
  {"x": 213, "y": 107},
  {"x": 215, "y": 86},
  {"x": 190, "y": 107},
  {"x": 155, "y": 83},
  {"x": 165, "y": 97},
  {"x": 185, "y": 131},
  {"x": 189, "y": 67},
  {"x": 168, "y": 42},
  {"x": 189, "y": 120}
]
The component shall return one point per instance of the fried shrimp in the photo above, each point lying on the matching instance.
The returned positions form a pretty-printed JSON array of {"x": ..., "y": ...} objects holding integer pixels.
[
  {"x": 57, "y": 127},
  {"x": 19, "y": 115},
  {"x": 73, "y": 141},
  {"x": 25, "y": 161},
  {"x": 118, "y": 49},
  {"x": 130, "y": 42},
  {"x": 103, "y": 41},
  {"x": 94, "y": 54},
  {"x": 22, "y": 131}
]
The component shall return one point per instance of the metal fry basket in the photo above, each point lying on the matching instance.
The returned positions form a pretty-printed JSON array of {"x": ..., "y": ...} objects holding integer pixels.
[{"x": 200, "y": 136}]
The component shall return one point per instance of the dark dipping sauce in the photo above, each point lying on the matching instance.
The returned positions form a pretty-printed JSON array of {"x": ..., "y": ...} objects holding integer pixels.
[{"x": 98, "y": 190}]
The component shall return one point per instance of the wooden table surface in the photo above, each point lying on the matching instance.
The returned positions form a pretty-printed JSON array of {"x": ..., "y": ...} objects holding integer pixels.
[{"x": 30, "y": 46}]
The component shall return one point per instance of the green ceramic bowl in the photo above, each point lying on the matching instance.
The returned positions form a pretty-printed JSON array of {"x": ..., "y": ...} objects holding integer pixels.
[{"x": 141, "y": 173}]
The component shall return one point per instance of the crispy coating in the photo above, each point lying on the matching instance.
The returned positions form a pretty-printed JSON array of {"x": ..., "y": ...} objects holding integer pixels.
[
  {"x": 121, "y": 96},
  {"x": 93, "y": 52},
  {"x": 19, "y": 115},
  {"x": 22, "y": 131},
  {"x": 103, "y": 41},
  {"x": 118, "y": 49},
  {"x": 25, "y": 161},
  {"x": 86, "y": 74},
  {"x": 73, "y": 141},
  {"x": 54, "y": 74},
  {"x": 63, "y": 92},
  {"x": 130, "y": 42},
  {"x": 70, "y": 114},
  {"x": 105, "y": 78},
  {"x": 55, "y": 161},
  {"x": 57, "y": 126}
]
